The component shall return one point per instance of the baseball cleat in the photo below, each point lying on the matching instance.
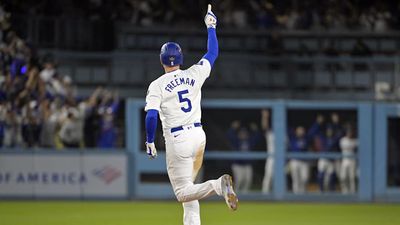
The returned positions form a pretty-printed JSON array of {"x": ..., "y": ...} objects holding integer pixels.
[{"x": 228, "y": 193}]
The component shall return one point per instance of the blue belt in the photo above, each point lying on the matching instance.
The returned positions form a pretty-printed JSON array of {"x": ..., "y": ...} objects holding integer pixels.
[{"x": 175, "y": 129}]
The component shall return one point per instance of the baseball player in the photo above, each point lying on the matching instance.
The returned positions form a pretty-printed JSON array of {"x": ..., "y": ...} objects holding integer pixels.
[
  {"x": 299, "y": 169},
  {"x": 175, "y": 96},
  {"x": 348, "y": 144},
  {"x": 269, "y": 164}
]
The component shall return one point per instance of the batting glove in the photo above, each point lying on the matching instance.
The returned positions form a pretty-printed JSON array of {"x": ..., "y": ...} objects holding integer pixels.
[
  {"x": 151, "y": 150},
  {"x": 210, "y": 19}
]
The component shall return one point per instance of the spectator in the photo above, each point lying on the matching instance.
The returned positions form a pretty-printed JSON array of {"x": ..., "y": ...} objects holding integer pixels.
[
  {"x": 239, "y": 15},
  {"x": 292, "y": 20},
  {"x": 107, "y": 110},
  {"x": 268, "y": 14},
  {"x": 91, "y": 130},
  {"x": 12, "y": 129},
  {"x": 381, "y": 22},
  {"x": 3, "y": 112},
  {"x": 71, "y": 129},
  {"x": 31, "y": 125},
  {"x": 36, "y": 105},
  {"x": 49, "y": 124},
  {"x": 226, "y": 16}
]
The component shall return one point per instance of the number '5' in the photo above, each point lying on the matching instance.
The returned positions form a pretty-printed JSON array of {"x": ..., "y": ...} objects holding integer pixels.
[{"x": 182, "y": 99}]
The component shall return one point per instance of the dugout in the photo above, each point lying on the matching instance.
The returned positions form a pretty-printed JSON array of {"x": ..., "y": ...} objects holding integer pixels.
[{"x": 370, "y": 130}]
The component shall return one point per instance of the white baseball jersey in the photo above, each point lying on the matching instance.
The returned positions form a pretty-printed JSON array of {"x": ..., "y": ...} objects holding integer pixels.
[
  {"x": 176, "y": 95},
  {"x": 348, "y": 145},
  {"x": 269, "y": 135}
]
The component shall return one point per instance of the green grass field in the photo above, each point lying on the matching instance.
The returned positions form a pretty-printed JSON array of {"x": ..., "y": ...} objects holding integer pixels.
[{"x": 212, "y": 213}]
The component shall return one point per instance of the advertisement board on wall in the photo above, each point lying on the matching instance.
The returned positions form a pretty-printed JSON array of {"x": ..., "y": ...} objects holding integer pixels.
[{"x": 63, "y": 175}]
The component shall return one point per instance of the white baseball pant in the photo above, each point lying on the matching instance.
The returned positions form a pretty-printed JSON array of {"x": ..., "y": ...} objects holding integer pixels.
[
  {"x": 327, "y": 167},
  {"x": 348, "y": 176},
  {"x": 269, "y": 170},
  {"x": 299, "y": 172},
  {"x": 243, "y": 176},
  {"x": 184, "y": 155}
]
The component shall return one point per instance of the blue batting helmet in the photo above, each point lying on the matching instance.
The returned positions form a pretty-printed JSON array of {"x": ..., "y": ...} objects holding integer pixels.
[{"x": 171, "y": 54}]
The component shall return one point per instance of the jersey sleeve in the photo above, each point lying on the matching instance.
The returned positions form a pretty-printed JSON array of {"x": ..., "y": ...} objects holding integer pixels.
[
  {"x": 201, "y": 70},
  {"x": 153, "y": 97}
]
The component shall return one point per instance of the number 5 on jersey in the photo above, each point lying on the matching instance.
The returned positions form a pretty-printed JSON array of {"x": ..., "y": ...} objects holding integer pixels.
[{"x": 182, "y": 99}]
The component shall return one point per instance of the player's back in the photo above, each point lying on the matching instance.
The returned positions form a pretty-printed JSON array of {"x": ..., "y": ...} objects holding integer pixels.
[{"x": 179, "y": 95}]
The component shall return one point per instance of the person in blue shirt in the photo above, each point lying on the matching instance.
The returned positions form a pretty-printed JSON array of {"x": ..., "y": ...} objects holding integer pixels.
[
  {"x": 299, "y": 142},
  {"x": 242, "y": 140},
  {"x": 108, "y": 110},
  {"x": 338, "y": 131},
  {"x": 328, "y": 142}
]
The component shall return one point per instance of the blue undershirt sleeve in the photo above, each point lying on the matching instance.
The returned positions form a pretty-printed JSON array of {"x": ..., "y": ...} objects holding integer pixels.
[
  {"x": 151, "y": 125},
  {"x": 212, "y": 46}
]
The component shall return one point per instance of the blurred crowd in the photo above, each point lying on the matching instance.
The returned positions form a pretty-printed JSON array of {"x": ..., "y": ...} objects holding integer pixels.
[
  {"x": 376, "y": 15},
  {"x": 371, "y": 15},
  {"x": 324, "y": 135},
  {"x": 39, "y": 107}
]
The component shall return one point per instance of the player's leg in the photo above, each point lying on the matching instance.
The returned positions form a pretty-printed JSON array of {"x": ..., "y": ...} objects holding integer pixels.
[
  {"x": 304, "y": 173},
  {"x": 225, "y": 181},
  {"x": 294, "y": 171},
  {"x": 180, "y": 170},
  {"x": 237, "y": 176},
  {"x": 198, "y": 160},
  {"x": 191, "y": 210},
  {"x": 321, "y": 173},
  {"x": 191, "y": 213},
  {"x": 269, "y": 165},
  {"x": 338, "y": 166},
  {"x": 343, "y": 177},
  {"x": 299, "y": 183},
  {"x": 330, "y": 175},
  {"x": 352, "y": 176},
  {"x": 248, "y": 176},
  {"x": 180, "y": 166}
]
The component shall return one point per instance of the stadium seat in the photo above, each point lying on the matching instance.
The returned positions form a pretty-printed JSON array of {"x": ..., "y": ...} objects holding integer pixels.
[
  {"x": 362, "y": 79},
  {"x": 83, "y": 74},
  {"x": 261, "y": 77},
  {"x": 323, "y": 79},
  {"x": 343, "y": 79},
  {"x": 279, "y": 78},
  {"x": 100, "y": 74},
  {"x": 384, "y": 76}
]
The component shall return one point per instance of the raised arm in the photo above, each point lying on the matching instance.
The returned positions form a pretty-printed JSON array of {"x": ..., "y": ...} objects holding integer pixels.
[
  {"x": 265, "y": 126},
  {"x": 212, "y": 44}
]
